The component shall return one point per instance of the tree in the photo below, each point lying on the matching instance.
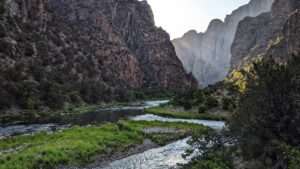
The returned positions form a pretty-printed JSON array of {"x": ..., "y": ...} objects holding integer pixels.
[
  {"x": 268, "y": 113},
  {"x": 211, "y": 102},
  {"x": 202, "y": 109},
  {"x": 228, "y": 104}
]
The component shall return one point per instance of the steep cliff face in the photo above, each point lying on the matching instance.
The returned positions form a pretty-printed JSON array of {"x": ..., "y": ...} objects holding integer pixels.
[
  {"x": 264, "y": 35},
  {"x": 92, "y": 48},
  {"x": 291, "y": 33},
  {"x": 211, "y": 54}
]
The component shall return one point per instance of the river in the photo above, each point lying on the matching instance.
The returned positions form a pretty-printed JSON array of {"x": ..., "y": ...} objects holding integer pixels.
[
  {"x": 108, "y": 114},
  {"x": 166, "y": 157}
]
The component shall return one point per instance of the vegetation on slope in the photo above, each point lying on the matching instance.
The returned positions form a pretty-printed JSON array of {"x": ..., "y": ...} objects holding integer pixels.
[
  {"x": 264, "y": 130},
  {"x": 268, "y": 114},
  {"x": 215, "y": 102},
  {"x": 67, "y": 108},
  {"x": 219, "y": 96}
]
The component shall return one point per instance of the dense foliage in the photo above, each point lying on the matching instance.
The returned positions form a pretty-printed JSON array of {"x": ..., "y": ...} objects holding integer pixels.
[
  {"x": 214, "y": 151},
  {"x": 268, "y": 115},
  {"x": 55, "y": 93},
  {"x": 264, "y": 130},
  {"x": 221, "y": 95}
]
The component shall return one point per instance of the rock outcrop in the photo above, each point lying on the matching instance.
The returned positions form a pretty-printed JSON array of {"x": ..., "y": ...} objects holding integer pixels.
[
  {"x": 273, "y": 34},
  {"x": 207, "y": 55},
  {"x": 89, "y": 49},
  {"x": 292, "y": 33}
]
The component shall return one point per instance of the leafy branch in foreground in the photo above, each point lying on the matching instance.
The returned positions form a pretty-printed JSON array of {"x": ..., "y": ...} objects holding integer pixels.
[
  {"x": 268, "y": 115},
  {"x": 214, "y": 151}
]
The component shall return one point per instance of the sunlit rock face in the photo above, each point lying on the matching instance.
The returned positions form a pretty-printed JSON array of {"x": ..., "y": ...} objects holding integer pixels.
[
  {"x": 207, "y": 55},
  {"x": 274, "y": 34}
]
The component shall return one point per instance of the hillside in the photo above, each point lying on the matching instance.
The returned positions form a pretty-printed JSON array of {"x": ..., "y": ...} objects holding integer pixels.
[{"x": 57, "y": 51}]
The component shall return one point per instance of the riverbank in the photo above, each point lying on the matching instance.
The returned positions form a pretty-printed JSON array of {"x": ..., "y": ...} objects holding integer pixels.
[
  {"x": 78, "y": 145},
  {"x": 18, "y": 116},
  {"x": 70, "y": 113},
  {"x": 179, "y": 112}
]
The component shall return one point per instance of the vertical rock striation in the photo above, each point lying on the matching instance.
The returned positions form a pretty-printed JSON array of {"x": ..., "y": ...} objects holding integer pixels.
[
  {"x": 269, "y": 34},
  {"x": 93, "y": 48},
  {"x": 207, "y": 55}
]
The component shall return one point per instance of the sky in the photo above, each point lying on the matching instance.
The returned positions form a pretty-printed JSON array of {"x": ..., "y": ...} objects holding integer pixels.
[{"x": 179, "y": 16}]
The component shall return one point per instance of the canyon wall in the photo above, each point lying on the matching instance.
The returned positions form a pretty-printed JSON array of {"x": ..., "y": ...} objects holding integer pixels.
[
  {"x": 207, "y": 55},
  {"x": 273, "y": 34},
  {"x": 94, "y": 50}
]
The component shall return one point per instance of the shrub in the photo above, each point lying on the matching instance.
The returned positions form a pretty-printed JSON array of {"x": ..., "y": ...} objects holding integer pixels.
[
  {"x": 92, "y": 92},
  {"x": 199, "y": 97},
  {"x": 211, "y": 102},
  {"x": 27, "y": 94},
  {"x": 53, "y": 94},
  {"x": 187, "y": 105},
  {"x": 268, "y": 111},
  {"x": 228, "y": 104},
  {"x": 6, "y": 99},
  {"x": 75, "y": 97},
  {"x": 202, "y": 109},
  {"x": 140, "y": 95}
]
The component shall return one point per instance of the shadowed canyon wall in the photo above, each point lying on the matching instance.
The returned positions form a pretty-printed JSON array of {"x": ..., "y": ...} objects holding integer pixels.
[{"x": 82, "y": 49}]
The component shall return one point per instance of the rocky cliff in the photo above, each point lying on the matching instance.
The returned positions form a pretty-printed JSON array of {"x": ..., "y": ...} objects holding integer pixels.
[
  {"x": 207, "y": 55},
  {"x": 55, "y": 51},
  {"x": 273, "y": 34}
]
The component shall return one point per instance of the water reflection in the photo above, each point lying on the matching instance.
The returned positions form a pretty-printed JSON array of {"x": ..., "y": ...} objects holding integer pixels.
[{"x": 109, "y": 114}]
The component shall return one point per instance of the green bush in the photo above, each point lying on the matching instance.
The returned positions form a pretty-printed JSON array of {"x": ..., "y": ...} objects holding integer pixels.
[
  {"x": 6, "y": 99},
  {"x": 32, "y": 103},
  {"x": 268, "y": 111},
  {"x": 140, "y": 95},
  {"x": 202, "y": 109},
  {"x": 187, "y": 105},
  {"x": 75, "y": 97},
  {"x": 211, "y": 102},
  {"x": 228, "y": 104},
  {"x": 199, "y": 97},
  {"x": 53, "y": 94}
]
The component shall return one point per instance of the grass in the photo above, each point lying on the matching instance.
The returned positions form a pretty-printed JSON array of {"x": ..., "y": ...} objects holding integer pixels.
[
  {"x": 184, "y": 130},
  {"x": 77, "y": 145},
  {"x": 172, "y": 112}
]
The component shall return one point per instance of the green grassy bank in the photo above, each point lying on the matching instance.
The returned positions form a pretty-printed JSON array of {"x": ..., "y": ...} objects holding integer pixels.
[
  {"x": 77, "y": 145},
  {"x": 173, "y": 112}
]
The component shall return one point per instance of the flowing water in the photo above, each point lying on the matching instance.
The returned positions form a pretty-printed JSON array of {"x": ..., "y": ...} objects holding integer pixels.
[
  {"x": 114, "y": 114},
  {"x": 109, "y": 114},
  {"x": 166, "y": 157}
]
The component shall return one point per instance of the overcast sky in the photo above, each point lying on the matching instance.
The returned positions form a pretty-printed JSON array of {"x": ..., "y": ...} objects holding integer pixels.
[{"x": 179, "y": 16}]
